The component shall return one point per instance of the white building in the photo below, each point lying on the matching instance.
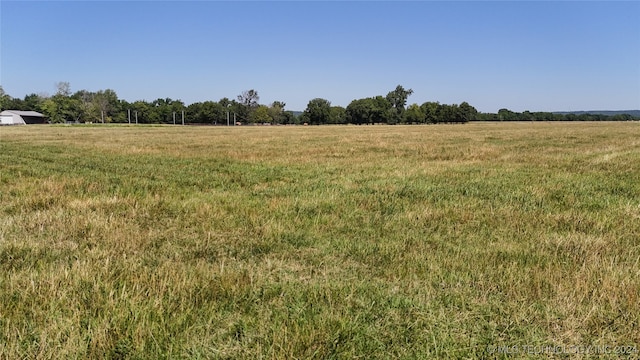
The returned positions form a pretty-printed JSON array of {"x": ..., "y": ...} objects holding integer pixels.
[{"x": 17, "y": 117}]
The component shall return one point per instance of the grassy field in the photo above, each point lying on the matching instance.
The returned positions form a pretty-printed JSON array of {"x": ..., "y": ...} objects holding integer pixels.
[{"x": 444, "y": 241}]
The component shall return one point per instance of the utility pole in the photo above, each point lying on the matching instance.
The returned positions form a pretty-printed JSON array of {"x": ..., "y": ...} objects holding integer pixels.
[
  {"x": 136, "y": 113},
  {"x": 227, "y": 117},
  {"x": 182, "y": 117},
  {"x": 129, "y": 115}
]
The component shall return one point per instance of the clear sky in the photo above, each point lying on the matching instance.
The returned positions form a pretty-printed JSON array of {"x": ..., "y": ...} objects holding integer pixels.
[{"x": 538, "y": 56}]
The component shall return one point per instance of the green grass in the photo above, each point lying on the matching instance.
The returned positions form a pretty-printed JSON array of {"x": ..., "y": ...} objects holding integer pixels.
[{"x": 318, "y": 242}]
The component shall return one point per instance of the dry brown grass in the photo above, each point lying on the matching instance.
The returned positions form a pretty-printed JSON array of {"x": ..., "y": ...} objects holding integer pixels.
[{"x": 318, "y": 242}]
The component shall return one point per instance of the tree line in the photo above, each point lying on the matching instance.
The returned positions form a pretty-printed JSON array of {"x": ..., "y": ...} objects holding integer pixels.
[
  {"x": 104, "y": 106},
  {"x": 389, "y": 109}
]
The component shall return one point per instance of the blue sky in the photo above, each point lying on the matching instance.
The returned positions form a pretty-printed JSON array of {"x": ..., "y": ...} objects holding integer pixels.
[{"x": 538, "y": 56}]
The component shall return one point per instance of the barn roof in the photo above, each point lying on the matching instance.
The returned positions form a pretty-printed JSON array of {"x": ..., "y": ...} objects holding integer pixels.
[{"x": 24, "y": 113}]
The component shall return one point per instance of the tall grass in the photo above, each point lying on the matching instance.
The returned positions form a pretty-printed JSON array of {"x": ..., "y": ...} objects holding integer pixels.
[{"x": 318, "y": 242}]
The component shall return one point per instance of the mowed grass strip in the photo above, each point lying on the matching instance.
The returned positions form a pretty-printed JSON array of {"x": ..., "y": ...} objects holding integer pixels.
[{"x": 318, "y": 242}]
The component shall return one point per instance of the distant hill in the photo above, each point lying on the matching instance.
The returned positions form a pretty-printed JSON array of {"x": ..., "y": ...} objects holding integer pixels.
[{"x": 634, "y": 113}]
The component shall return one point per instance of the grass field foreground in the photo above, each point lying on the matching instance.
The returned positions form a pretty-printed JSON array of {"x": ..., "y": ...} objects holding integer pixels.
[{"x": 439, "y": 241}]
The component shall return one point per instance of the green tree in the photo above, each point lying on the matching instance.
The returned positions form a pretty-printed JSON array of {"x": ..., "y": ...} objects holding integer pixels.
[
  {"x": 318, "y": 111},
  {"x": 370, "y": 110},
  {"x": 287, "y": 117},
  {"x": 214, "y": 112},
  {"x": 621, "y": 117},
  {"x": 276, "y": 112},
  {"x": 468, "y": 112},
  {"x": 86, "y": 107},
  {"x": 249, "y": 98},
  {"x": 451, "y": 114},
  {"x": 61, "y": 107},
  {"x": 225, "y": 102},
  {"x": 33, "y": 102},
  {"x": 360, "y": 111},
  {"x": 140, "y": 109},
  {"x": 177, "y": 107},
  {"x": 398, "y": 100},
  {"x": 506, "y": 115},
  {"x": 278, "y": 105},
  {"x": 105, "y": 102},
  {"x": 5, "y": 99},
  {"x": 542, "y": 116},
  {"x": 415, "y": 114},
  {"x": 208, "y": 112},
  {"x": 261, "y": 115},
  {"x": 337, "y": 115},
  {"x": 383, "y": 112},
  {"x": 248, "y": 101},
  {"x": 231, "y": 107},
  {"x": 119, "y": 113},
  {"x": 164, "y": 110},
  {"x": 431, "y": 112}
]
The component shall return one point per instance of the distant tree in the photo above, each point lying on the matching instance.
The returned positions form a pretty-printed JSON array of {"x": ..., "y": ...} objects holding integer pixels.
[
  {"x": 302, "y": 118},
  {"x": 88, "y": 112},
  {"x": 622, "y": 117},
  {"x": 467, "y": 112},
  {"x": 318, "y": 111},
  {"x": 415, "y": 114},
  {"x": 119, "y": 112},
  {"x": 105, "y": 101},
  {"x": 225, "y": 102},
  {"x": 249, "y": 102},
  {"x": 278, "y": 105},
  {"x": 164, "y": 110},
  {"x": 160, "y": 111},
  {"x": 61, "y": 107},
  {"x": 63, "y": 88},
  {"x": 526, "y": 116},
  {"x": 31, "y": 102},
  {"x": 360, "y": 111},
  {"x": 431, "y": 112},
  {"x": 5, "y": 99},
  {"x": 337, "y": 115},
  {"x": 11, "y": 103},
  {"x": 487, "y": 116},
  {"x": 140, "y": 109},
  {"x": 542, "y": 116},
  {"x": 287, "y": 117},
  {"x": 249, "y": 98},
  {"x": 260, "y": 115},
  {"x": 208, "y": 112},
  {"x": 232, "y": 107},
  {"x": 445, "y": 114},
  {"x": 383, "y": 112},
  {"x": 369, "y": 110},
  {"x": 276, "y": 112},
  {"x": 448, "y": 113},
  {"x": 571, "y": 117},
  {"x": 506, "y": 115},
  {"x": 397, "y": 101},
  {"x": 195, "y": 111},
  {"x": 177, "y": 107}
]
